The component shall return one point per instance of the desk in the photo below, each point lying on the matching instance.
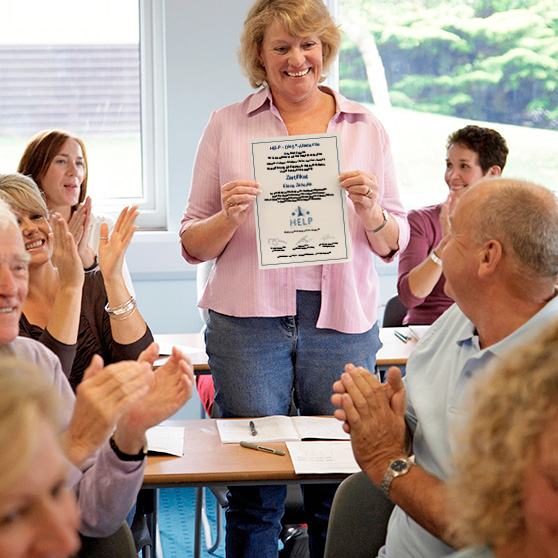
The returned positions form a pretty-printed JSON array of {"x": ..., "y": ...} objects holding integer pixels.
[
  {"x": 393, "y": 353},
  {"x": 208, "y": 462}
]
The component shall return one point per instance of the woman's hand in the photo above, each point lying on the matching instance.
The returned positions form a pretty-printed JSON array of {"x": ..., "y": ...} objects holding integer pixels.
[
  {"x": 362, "y": 188},
  {"x": 80, "y": 227},
  {"x": 112, "y": 250},
  {"x": 236, "y": 197},
  {"x": 65, "y": 256}
]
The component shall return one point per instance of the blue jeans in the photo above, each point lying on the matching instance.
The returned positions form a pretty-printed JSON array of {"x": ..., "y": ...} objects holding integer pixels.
[{"x": 256, "y": 364}]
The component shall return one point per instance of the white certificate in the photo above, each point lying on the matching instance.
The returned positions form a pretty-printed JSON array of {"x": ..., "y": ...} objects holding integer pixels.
[{"x": 301, "y": 214}]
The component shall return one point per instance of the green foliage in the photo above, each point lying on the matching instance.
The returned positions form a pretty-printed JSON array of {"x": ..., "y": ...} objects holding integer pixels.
[{"x": 494, "y": 60}]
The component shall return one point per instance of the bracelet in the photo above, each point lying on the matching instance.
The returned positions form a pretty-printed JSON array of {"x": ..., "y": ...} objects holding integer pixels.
[
  {"x": 386, "y": 219},
  {"x": 124, "y": 311},
  {"x": 92, "y": 267},
  {"x": 435, "y": 258},
  {"x": 126, "y": 456}
]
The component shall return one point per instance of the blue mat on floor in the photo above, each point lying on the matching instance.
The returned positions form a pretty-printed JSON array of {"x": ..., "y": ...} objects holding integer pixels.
[{"x": 176, "y": 523}]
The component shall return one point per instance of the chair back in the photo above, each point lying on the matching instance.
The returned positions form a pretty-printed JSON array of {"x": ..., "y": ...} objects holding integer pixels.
[
  {"x": 394, "y": 313},
  {"x": 118, "y": 545},
  {"x": 358, "y": 520}
]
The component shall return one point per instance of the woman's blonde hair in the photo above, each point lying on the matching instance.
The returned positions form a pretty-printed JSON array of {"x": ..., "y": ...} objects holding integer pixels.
[
  {"x": 21, "y": 192},
  {"x": 27, "y": 399},
  {"x": 300, "y": 18},
  {"x": 42, "y": 149},
  {"x": 510, "y": 409}
]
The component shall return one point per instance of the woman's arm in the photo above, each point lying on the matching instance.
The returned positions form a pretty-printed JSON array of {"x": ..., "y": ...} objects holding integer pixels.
[
  {"x": 424, "y": 276},
  {"x": 362, "y": 188},
  {"x": 126, "y": 322},
  {"x": 63, "y": 323},
  {"x": 205, "y": 239}
]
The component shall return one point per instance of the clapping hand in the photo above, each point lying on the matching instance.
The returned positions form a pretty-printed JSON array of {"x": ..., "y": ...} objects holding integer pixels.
[
  {"x": 80, "y": 227},
  {"x": 112, "y": 250},
  {"x": 102, "y": 397},
  {"x": 65, "y": 256},
  {"x": 374, "y": 415},
  {"x": 170, "y": 389}
]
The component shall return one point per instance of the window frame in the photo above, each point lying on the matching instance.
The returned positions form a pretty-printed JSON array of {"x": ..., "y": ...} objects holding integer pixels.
[{"x": 153, "y": 116}]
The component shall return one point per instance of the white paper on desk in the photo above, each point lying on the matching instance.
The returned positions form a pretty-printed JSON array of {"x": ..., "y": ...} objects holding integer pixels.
[
  {"x": 301, "y": 214},
  {"x": 322, "y": 457},
  {"x": 279, "y": 428},
  {"x": 418, "y": 330},
  {"x": 166, "y": 349},
  {"x": 166, "y": 439}
]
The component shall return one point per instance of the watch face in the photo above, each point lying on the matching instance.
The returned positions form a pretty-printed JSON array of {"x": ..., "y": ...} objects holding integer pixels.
[{"x": 398, "y": 465}]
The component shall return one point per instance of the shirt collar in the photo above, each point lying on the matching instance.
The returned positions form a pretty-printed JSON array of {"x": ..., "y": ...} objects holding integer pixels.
[
  {"x": 520, "y": 336},
  {"x": 342, "y": 104}
]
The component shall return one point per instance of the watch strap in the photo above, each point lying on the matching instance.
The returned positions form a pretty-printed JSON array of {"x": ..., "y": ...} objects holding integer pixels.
[
  {"x": 126, "y": 456},
  {"x": 397, "y": 468},
  {"x": 378, "y": 229}
]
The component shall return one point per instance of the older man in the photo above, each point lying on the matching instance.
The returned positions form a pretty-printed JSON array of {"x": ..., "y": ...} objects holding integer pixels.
[
  {"x": 501, "y": 268},
  {"x": 120, "y": 401}
]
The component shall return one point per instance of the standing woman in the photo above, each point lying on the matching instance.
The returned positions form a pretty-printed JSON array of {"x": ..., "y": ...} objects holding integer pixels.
[
  {"x": 75, "y": 314},
  {"x": 274, "y": 331},
  {"x": 57, "y": 161}
]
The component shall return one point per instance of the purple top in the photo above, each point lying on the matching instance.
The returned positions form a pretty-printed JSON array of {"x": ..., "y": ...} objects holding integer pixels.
[
  {"x": 426, "y": 234},
  {"x": 106, "y": 487}
]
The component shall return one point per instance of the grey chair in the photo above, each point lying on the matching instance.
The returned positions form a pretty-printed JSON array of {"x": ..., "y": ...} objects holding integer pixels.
[
  {"x": 358, "y": 520},
  {"x": 118, "y": 545},
  {"x": 394, "y": 313}
]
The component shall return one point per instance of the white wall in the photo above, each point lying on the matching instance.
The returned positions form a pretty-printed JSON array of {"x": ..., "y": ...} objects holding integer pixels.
[{"x": 202, "y": 74}]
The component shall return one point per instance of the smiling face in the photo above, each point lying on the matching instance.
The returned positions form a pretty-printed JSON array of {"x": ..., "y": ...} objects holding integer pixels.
[
  {"x": 293, "y": 64},
  {"x": 38, "y": 513},
  {"x": 35, "y": 229},
  {"x": 14, "y": 276},
  {"x": 62, "y": 180},
  {"x": 462, "y": 168}
]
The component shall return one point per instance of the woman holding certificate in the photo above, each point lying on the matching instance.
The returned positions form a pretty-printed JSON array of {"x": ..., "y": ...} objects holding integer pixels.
[{"x": 272, "y": 331}]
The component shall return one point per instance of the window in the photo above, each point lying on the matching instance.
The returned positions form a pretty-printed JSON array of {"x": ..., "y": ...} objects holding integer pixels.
[
  {"x": 95, "y": 70},
  {"x": 437, "y": 65}
]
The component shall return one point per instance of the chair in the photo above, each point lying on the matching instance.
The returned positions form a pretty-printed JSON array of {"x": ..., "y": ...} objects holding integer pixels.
[
  {"x": 118, "y": 545},
  {"x": 394, "y": 313},
  {"x": 358, "y": 521}
]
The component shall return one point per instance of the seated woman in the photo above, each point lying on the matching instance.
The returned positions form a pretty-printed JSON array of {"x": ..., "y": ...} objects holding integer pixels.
[
  {"x": 57, "y": 162},
  {"x": 75, "y": 314},
  {"x": 472, "y": 153},
  {"x": 38, "y": 511},
  {"x": 505, "y": 492}
]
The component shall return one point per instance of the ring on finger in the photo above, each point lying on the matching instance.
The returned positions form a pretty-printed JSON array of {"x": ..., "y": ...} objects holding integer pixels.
[
  {"x": 369, "y": 193},
  {"x": 229, "y": 203}
]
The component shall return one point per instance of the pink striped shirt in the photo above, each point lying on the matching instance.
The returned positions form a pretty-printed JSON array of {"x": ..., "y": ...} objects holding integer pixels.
[{"x": 236, "y": 287}]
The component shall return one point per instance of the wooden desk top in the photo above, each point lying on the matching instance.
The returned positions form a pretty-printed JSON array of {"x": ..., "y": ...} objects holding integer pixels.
[
  {"x": 393, "y": 353},
  {"x": 207, "y": 461}
]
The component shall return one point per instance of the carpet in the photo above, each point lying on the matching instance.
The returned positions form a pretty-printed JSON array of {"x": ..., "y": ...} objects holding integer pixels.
[{"x": 176, "y": 523}]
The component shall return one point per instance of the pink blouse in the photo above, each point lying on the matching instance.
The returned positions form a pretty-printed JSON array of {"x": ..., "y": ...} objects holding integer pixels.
[{"x": 236, "y": 287}]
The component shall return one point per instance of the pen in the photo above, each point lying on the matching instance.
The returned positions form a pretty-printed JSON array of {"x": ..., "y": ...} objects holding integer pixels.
[
  {"x": 250, "y": 445},
  {"x": 253, "y": 428},
  {"x": 401, "y": 337}
]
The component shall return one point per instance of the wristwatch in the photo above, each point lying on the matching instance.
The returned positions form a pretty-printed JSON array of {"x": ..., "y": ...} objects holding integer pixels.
[
  {"x": 126, "y": 456},
  {"x": 397, "y": 468}
]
